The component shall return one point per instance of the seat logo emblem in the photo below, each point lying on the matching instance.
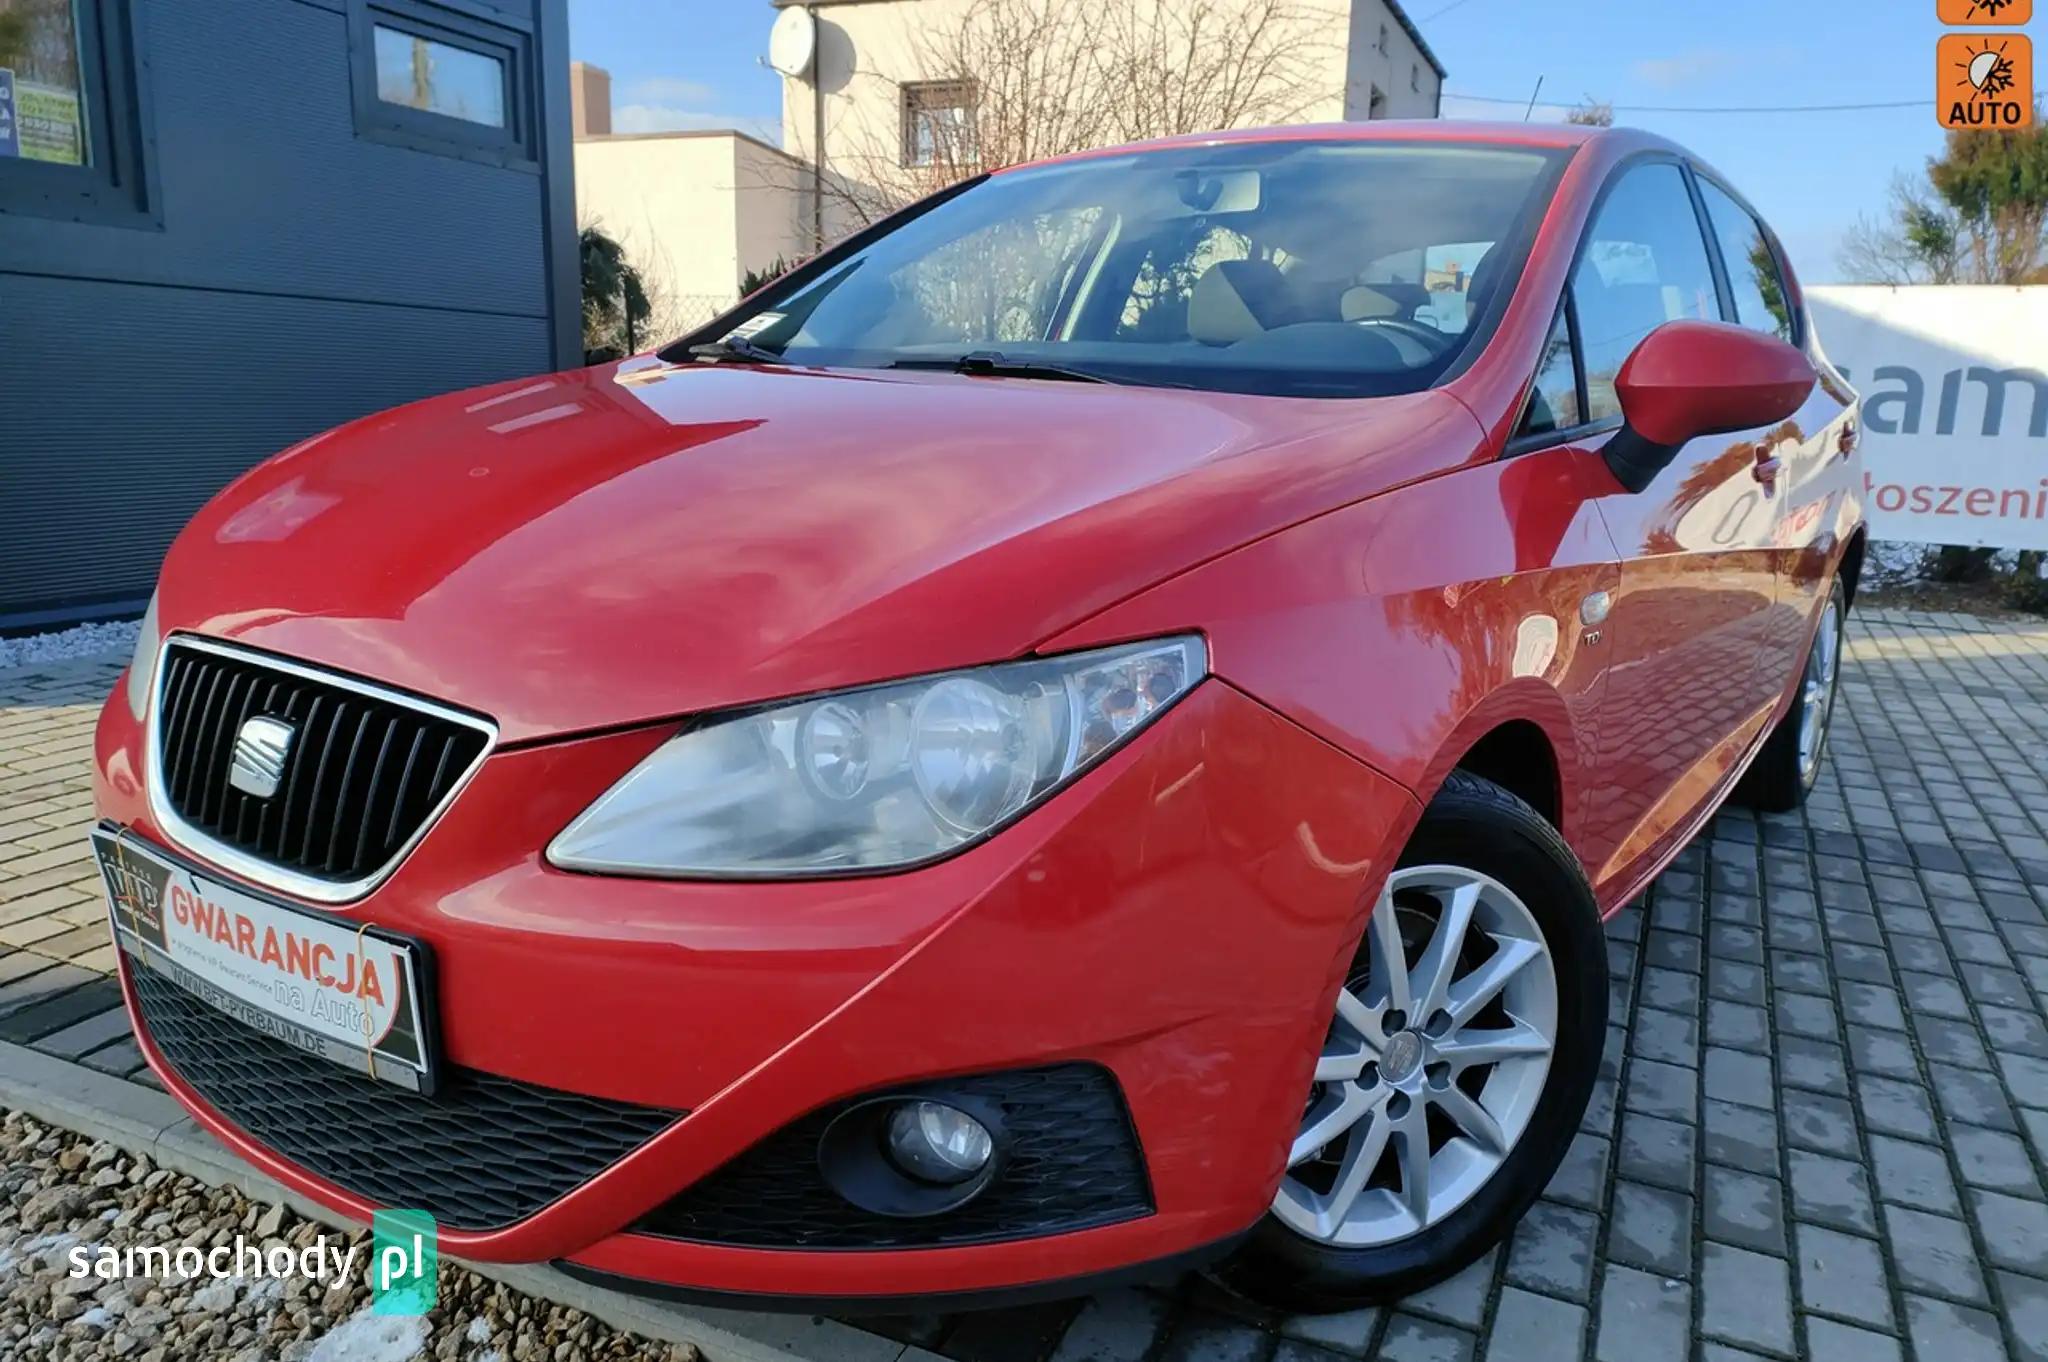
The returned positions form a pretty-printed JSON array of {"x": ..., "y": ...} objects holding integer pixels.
[
  {"x": 1402, "y": 1057},
  {"x": 261, "y": 749}
]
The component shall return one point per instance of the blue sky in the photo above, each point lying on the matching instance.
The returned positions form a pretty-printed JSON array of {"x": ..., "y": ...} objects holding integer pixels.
[{"x": 694, "y": 63}]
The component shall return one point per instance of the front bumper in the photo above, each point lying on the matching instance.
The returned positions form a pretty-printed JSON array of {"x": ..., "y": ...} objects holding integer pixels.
[{"x": 1180, "y": 917}]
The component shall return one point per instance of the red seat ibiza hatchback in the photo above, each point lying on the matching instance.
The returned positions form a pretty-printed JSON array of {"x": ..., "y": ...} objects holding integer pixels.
[{"x": 1089, "y": 729}]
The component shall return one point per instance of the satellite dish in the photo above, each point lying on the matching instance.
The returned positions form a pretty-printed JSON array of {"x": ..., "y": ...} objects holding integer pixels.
[{"x": 793, "y": 43}]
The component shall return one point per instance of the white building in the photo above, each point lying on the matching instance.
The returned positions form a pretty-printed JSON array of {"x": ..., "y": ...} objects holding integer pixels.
[
  {"x": 871, "y": 57},
  {"x": 873, "y": 113},
  {"x": 696, "y": 211}
]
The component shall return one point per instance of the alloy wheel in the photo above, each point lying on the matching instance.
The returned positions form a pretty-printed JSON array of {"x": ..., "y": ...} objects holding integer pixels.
[
  {"x": 1817, "y": 691},
  {"x": 1435, "y": 1061}
]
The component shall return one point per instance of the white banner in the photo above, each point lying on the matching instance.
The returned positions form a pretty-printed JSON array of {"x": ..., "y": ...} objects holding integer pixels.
[{"x": 1955, "y": 407}]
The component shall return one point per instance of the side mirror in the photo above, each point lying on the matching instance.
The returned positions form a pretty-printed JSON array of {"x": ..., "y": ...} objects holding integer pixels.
[{"x": 1689, "y": 379}]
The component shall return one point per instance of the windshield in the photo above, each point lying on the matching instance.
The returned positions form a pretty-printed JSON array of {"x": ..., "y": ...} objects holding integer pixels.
[{"x": 1292, "y": 268}]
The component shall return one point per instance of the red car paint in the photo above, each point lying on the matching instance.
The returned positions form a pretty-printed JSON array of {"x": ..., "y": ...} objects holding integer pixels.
[{"x": 587, "y": 557}]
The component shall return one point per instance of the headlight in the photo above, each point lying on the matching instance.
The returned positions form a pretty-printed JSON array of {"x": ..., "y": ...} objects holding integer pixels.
[
  {"x": 877, "y": 778},
  {"x": 142, "y": 665}
]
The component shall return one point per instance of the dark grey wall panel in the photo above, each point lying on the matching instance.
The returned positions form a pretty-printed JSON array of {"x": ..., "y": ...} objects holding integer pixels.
[
  {"x": 265, "y": 186},
  {"x": 123, "y": 407}
]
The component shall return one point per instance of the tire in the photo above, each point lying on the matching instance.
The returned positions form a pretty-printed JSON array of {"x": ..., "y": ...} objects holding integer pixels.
[
  {"x": 1784, "y": 773},
  {"x": 1472, "y": 828}
]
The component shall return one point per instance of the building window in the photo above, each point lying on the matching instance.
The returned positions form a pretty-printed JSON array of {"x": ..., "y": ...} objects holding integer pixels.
[
  {"x": 71, "y": 132},
  {"x": 1415, "y": 78},
  {"x": 446, "y": 78},
  {"x": 440, "y": 78},
  {"x": 938, "y": 124},
  {"x": 1376, "y": 106},
  {"x": 1383, "y": 39},
  {"x": 42, "y": 83}
]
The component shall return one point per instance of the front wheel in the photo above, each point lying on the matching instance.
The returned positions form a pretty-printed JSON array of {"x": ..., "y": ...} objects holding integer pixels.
[
  {"x": 1466, "y": 1040},
  {"x": 1788, "y": 767}
]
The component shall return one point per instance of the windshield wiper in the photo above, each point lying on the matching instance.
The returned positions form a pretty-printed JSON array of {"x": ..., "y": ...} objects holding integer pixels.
[
  {"x": 994, "y": 364},
  {"x": 736, "y": 348}
]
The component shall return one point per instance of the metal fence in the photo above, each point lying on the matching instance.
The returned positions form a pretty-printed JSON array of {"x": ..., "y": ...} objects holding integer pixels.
[{"x": 688, "y": 311}]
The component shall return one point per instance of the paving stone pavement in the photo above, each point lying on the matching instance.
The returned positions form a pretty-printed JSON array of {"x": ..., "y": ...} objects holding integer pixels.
[{"x": 1821, "y": 1127}]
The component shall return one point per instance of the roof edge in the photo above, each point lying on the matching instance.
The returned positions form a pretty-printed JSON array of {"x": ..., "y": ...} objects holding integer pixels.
[
  {"x": 679, "y": 134},
  {"x": 1415, "y": 36}
]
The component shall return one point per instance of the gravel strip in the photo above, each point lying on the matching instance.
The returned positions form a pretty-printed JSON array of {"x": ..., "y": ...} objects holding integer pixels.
[
  {"x": 84, "y": 640},
  {"x": 68, "y": 1198}
]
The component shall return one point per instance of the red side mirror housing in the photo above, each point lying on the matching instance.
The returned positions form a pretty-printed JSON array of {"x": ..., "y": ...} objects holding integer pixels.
[{"x": 1688, "y": 379}]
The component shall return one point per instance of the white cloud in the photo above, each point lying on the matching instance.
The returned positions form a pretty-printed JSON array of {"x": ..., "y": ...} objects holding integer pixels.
[
  {"x": 659, "y": 117},
  {"x": 1682, "y": 69}
]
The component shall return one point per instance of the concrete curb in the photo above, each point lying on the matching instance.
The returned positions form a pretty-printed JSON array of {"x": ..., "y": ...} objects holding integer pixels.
[{"x": 143, "y": 1120}]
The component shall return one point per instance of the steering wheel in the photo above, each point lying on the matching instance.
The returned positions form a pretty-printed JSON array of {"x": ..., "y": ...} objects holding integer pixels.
[{"x": 1436, "y": 341}]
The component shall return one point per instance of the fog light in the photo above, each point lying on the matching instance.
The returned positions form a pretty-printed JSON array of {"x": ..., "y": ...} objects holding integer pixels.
[{"x": 937, "y": 1143}]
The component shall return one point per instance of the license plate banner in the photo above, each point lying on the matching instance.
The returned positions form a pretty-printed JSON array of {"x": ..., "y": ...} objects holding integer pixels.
[{"x": 326, "y": 986}]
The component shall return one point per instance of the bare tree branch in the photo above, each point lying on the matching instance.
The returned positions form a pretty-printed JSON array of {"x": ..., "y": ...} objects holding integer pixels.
[{"x": 1038, "y": 78}]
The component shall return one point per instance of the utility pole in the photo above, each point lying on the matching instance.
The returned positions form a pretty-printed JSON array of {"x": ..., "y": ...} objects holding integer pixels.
[{"x": 817, "y": 147}]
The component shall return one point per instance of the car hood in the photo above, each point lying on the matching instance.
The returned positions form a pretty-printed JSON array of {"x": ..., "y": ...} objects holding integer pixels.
[{"x": 639, "y": 541}]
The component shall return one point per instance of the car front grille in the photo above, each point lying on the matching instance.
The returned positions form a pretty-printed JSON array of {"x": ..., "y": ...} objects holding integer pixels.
[
  {"x": 1073, "y": 1164},
  {"x": 366, "y": 769},
  {"x": 483, "y": 1152}
]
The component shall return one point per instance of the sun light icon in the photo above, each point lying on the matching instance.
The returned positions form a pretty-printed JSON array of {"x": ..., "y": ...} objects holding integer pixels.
[{"x": 1988, "y": 71}]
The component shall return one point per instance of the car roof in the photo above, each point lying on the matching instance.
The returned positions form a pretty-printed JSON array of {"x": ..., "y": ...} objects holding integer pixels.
[{"x": 1560, "y": 136}]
